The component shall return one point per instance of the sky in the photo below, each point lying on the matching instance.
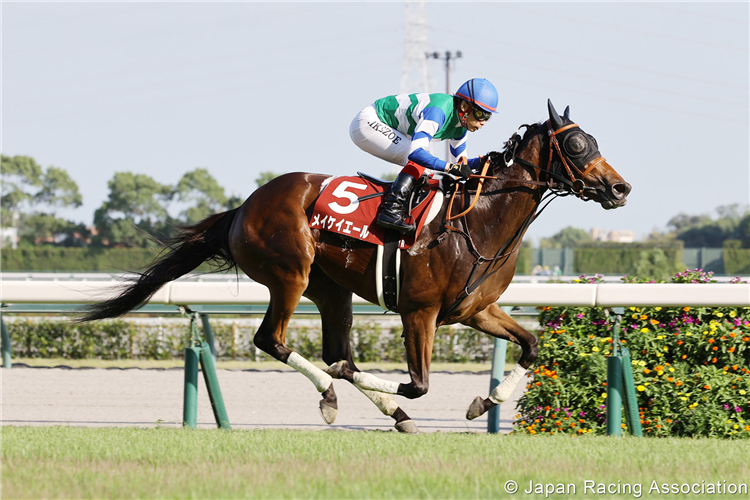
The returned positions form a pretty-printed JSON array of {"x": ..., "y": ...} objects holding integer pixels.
[{"x": 162, "y": 88}]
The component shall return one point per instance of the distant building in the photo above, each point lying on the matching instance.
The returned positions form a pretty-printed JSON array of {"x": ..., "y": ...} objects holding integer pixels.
[{"x": 618, "y": 236}]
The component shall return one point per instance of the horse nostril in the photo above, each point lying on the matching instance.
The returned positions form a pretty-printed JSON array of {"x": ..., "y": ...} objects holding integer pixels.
[{"x": 621, "y": 189}]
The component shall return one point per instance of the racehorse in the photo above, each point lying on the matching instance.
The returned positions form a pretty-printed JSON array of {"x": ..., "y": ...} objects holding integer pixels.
[{"x": 454, "y": 273}]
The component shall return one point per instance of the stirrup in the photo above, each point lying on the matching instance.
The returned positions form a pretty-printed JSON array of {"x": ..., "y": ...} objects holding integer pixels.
[{"x": 395, "y": 224}]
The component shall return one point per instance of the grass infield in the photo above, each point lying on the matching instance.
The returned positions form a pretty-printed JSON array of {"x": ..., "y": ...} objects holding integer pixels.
[{"x": 73, "y": 462}]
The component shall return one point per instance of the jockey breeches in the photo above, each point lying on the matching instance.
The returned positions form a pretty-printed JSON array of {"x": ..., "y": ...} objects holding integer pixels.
[{"x": 375, "y": 137}]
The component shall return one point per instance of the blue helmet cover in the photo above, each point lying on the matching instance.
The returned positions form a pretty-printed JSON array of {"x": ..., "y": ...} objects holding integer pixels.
[{"x": 480, "y": 92}]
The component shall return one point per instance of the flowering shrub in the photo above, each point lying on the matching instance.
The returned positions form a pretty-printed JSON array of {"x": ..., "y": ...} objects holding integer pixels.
[{"x": 691, "y": 368}]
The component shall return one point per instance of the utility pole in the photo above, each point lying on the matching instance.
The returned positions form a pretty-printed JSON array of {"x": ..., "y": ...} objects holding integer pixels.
[
  {"x": 447, "y": 57},
  {"x": 415, "y": 70}
]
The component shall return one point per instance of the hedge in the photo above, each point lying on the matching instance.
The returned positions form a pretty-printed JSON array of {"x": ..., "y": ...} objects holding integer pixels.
[
  {"x": 76, "y": 259},
  {"x": 691, "y": 368},
  {"x": 123, "y": 339},
  {"x": 736, "y": 258},
  {"x": 50, "y": 258},
  {"x": 523, "y": 264},
  {"x": 660, "y": 261}
]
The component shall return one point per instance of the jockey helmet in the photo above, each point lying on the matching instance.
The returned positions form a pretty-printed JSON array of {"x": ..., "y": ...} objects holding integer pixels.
[{"x": 480, "y": 92}]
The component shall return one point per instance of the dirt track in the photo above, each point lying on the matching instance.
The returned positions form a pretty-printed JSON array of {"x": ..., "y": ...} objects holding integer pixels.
[{"x": 254, "y": 400}]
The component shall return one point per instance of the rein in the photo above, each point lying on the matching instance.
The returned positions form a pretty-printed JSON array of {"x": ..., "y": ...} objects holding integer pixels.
[{"x": 558, "y": 185}]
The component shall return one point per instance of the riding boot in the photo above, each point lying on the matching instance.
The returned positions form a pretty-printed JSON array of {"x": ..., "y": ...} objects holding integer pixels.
[{"x": 393, "y": 210}]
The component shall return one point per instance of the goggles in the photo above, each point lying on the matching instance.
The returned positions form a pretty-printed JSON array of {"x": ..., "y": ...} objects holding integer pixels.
[{"x": 481, "y": 114}]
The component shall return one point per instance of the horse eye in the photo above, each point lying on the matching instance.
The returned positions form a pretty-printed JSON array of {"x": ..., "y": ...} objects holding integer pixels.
[{"x": 576, "y": 144}]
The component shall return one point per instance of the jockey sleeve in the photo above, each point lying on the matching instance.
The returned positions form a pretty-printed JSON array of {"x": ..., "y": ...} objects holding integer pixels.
[{"x": 425, "y": 117}]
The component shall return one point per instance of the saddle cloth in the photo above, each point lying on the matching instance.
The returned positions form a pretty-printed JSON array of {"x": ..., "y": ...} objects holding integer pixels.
[{"x": 341, "y": 209}]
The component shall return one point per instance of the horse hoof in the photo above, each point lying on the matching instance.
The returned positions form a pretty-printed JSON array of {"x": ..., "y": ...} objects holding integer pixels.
[
  {"x": 327, "y": 412},
  {"x": 407, "y": 427},
  {"x": 336, "y": 369},
  {"x": 476, "y": 409}
]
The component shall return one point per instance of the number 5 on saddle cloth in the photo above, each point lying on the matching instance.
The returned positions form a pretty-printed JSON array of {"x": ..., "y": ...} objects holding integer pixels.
[{"x": 348, "y": 206}]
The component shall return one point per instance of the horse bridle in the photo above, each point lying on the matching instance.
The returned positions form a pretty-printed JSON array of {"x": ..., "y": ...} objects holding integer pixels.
[{"x": 557, "y": 184}]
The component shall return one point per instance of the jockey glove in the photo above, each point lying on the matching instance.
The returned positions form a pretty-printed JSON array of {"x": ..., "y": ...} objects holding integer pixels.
[{"x": 462, "y": 171}]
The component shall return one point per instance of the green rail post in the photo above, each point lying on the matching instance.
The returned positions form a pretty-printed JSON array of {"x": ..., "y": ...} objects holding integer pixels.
[
  {"x": 630, "y": 400},
  {"x": 614, "y": 396},
  {"x": 214, "y": 391},
  {"x": 209, "y": 335},
  {"x": 190, "y": 397},
  {"x": 7, "y": 363},
  {"x": 201, "y": 352},
  {"x": 496, "y": 376},
  {"x": 614, "y": 384}
]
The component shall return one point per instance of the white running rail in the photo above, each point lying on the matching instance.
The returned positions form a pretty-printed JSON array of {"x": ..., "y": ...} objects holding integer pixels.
[{"x": 230, "y": 292}]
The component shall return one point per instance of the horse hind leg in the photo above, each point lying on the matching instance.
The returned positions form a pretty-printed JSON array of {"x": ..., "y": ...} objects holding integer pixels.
[
  {"x": 271, "y": 336},
  {"x": 386, "y": 404},
  {"x": 335, "y": 305}
]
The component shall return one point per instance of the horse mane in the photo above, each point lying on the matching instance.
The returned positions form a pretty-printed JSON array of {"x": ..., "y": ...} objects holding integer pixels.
[
  {"x": 531, "y": 130},
  {"x": 515, "y": 143}
]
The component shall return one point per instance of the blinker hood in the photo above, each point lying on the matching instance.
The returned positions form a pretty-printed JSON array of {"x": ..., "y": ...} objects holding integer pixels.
[{"x": 578, "y": 147}]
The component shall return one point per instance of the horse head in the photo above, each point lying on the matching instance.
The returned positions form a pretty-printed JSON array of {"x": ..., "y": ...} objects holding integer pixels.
[{"x": 575, "y": 155}]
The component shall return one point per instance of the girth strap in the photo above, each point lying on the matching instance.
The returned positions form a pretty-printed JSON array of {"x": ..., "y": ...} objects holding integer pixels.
[{"x": 390, "y": 285}]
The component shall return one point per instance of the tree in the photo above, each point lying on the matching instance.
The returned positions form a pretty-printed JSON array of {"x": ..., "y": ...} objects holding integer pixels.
[
  {"x": 30, "y": 197},
  {"x": 703, "y": 231},
  {"x": 683, "y": 222},
  {"x": 743, "y": 230},
  {"x": 21, "y": 174},
  {"x": 41, "y": 228},
  {"x": 135, "y": 212},
  {"x": 233, "y": 202},
  {"x": 568, "y": 237},
  {"x": 201, "y": 189},
  {"x": 265, "y": 177}
]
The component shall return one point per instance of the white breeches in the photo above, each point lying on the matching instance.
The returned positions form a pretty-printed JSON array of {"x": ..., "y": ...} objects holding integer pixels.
[{"x": 375, "y": 137}]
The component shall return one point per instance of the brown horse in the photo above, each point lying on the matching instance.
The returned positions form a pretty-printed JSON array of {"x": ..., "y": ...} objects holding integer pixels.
[{"x": 454, "y": 273}]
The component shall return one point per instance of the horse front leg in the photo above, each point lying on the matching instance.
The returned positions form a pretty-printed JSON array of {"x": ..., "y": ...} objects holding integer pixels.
[
  {"x": 496, "y": 322},
  {"x": 335, "y": 305},
  {"x": 419, "y": 334}
]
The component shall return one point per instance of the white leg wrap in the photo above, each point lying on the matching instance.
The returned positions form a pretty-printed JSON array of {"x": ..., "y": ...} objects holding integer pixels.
[
  {"x": 384, "y": 402},
  {"x": 373, "y": 383},
  {"x": 317, "y": 376},
  {"x": 503, "y": 391}
]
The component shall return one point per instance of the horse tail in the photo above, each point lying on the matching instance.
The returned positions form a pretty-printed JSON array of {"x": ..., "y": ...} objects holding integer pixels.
[{"x": 208, "y": 240}]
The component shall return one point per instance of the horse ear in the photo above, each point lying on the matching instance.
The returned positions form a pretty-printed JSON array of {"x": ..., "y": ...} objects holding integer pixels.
[
  {"x": 566, "y": 113},
  {"x": 554, "y": 118}
]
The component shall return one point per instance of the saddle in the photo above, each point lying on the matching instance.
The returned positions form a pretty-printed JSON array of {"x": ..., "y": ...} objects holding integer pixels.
[
  {"x": 348, "y": 206},
  {"x": 419, "y": 193}
]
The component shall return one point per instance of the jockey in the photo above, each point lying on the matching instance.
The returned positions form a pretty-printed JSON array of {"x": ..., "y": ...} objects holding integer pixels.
[{"x": 399, "y": 128}]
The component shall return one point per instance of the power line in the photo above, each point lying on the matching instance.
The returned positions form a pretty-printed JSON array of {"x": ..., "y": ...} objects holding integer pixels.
[
  {"x": 684, "y": 111},
  {"x": 547, "y": 51}
]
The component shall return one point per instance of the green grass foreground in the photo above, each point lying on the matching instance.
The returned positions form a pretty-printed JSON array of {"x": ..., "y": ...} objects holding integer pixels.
[{"x": 72, "y": 462}]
